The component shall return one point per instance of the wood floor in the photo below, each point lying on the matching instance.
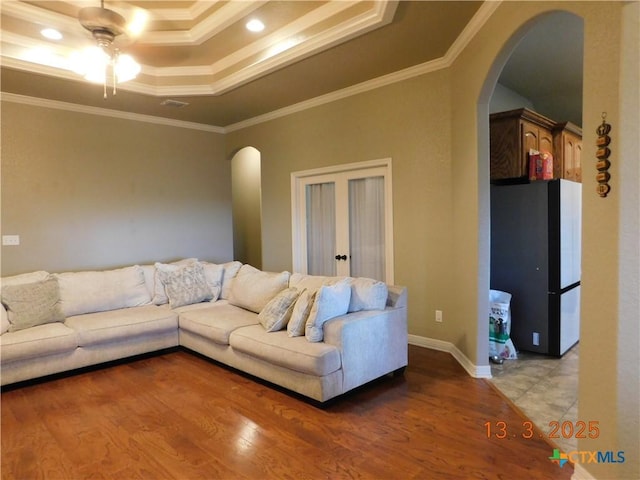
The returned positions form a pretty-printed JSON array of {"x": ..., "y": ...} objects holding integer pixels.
[{"x": 180, "y": 416}]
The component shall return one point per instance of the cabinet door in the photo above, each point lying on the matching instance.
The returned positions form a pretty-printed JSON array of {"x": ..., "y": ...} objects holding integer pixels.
[
  {"x": 546, "y": 140},
  {"x": 577, "y": 160},
  {"x": 530, "y": 137},
  {"x": 571, "y": 157}
]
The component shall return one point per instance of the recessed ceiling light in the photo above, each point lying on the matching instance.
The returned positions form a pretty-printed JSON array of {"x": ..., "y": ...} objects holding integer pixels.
[
  {"x": 51, "y": 33},
  {"x": 255, "y": 25}
]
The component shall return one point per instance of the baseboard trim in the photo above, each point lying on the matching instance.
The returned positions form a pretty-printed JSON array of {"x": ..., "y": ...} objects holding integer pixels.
[
  {"x": 476, "y": 371},
  {"x": 580, "y": 473}
]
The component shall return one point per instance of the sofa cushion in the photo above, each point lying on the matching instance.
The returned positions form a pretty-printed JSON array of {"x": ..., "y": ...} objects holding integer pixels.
[
  {"x": 331, "y": 301},
  {"x": 32, "y": 304},
  {"x": 275, "y": 315},
  {"x": 367, "y": 294},
  {"x": 37, "y": 341},
  {"x": 311, "y": 282},
  {"x": 294, "y": 353},
  {"x": 300, "y": 313},
  {"x": 98, "y": 291},
  {"x": 113, "y": 325},
  {"x": 185, "y": 285},
  {"x": 252, "y": 288},
  {"x": 216, "y": 321}
]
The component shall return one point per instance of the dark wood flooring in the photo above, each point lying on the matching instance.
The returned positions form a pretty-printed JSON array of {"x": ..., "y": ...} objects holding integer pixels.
[{"x": 180, "y": 416}]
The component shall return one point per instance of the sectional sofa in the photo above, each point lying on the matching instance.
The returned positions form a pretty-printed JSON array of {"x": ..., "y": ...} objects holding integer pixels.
[{"x": 317, "y": 336}]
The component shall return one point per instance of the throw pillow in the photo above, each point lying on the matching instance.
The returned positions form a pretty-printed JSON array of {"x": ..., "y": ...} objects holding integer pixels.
[
  {"x": 331, "y": 301},
  {"x": 32, "y": 304},
  {"x": 5, "y": 320},
  {"x": 300, "y": 314},
  {"x": 252, "y": 288},
  {"x": 231, "y": 269},
  {"x": 159, "y": 293},
  {"x": 21, "y": 278},
  {"x": 213, "y": 274},
  {"x": 367, "y": 294},
  {"x": 275, "y": 315},
  {"x": 186, "y": 285}
]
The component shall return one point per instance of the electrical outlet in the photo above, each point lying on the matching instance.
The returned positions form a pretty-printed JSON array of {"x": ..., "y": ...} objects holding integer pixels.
[
  {"x": 439, "y": 316},
  {"x": 10, "y": 239},
  {"x": 536, "y": 338}
]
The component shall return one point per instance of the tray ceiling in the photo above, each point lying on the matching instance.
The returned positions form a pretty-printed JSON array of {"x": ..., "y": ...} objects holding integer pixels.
[{"x": 201, "y": 53}]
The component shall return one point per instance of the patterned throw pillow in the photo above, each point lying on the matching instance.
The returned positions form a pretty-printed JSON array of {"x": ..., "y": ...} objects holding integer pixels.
[
  {"x": 275, "y": 315},
  {"x": 186, "y": 285},
  {"x": 331, "y": 301},
  {"x": 32, "y": 304},
  {"x": 159, "y": 293},
  {"x": 301, "y": 310}
]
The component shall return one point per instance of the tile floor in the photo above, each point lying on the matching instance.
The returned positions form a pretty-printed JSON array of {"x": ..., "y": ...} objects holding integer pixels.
[{"x": 544, "y": 388}]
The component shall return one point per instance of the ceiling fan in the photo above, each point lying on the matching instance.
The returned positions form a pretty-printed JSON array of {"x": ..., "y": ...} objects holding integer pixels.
[{"x": 106, "y": 25}]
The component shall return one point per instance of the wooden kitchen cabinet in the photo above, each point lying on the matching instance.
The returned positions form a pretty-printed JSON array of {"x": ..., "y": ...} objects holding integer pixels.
[
  {"x": 567, "y": 141},
  {"x": 514, "y": 133}
]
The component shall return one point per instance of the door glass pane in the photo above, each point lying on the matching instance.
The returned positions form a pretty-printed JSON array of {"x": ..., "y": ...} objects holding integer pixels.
[
  {"x": 321, "y": 228},
  {"x": 366, "y": 227}
]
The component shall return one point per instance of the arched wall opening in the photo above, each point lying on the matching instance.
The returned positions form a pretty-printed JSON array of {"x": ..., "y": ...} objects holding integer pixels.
[
  {"x": 484, "y": 207},
  {"x": 246, "y": 199}
]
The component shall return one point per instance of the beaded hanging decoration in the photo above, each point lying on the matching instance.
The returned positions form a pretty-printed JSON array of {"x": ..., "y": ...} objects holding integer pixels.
[{"x": 602, "y": 154}]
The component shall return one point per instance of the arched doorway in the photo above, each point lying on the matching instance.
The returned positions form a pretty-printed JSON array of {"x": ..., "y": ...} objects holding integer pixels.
[
  {"x": 514, "y": 388},
  {"x": 246, "y": 195}
]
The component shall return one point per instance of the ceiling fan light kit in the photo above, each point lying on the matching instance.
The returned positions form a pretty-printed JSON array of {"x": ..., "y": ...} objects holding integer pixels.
[{"x": 95, "y": 63}]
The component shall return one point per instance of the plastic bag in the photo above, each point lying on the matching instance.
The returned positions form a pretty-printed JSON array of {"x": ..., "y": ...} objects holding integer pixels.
[{"x": 500, "y": 344}]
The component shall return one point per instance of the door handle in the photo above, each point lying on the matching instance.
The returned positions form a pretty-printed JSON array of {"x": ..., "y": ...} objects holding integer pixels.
[{"x": 341, "y": 257}]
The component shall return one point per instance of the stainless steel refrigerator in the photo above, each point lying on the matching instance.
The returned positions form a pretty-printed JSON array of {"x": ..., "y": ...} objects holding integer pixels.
[{"x": 535, "y": 256}]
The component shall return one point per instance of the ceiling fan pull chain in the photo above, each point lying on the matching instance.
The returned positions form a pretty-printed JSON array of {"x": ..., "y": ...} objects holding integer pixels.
[{"x": 113, "y": 69}]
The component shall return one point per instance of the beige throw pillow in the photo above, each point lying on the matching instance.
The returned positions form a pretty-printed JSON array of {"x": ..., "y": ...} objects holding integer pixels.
[
  {"x": 331, "y": 301},
  {"x": 32, "y": 304},
  {"x": 367, "y": 294},
  {"x": 252, "y": 289},
  {"x": 300, "y": 314},
  {"x": 275, "y": 315}
]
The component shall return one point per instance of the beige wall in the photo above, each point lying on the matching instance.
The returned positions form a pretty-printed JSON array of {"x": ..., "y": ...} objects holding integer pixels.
[
  {"x": 409, "y": 122},
  {"x": 86, "y": 191},
  {"x": 79, "y": 212},
  {"x": 435, "y": 127}
]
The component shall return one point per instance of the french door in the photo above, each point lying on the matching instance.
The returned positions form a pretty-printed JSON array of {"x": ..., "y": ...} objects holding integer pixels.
[{"x": 342, "y": 221}]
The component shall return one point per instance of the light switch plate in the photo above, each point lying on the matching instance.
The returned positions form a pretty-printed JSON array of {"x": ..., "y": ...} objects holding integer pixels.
[{"x": 10, "y": 239}]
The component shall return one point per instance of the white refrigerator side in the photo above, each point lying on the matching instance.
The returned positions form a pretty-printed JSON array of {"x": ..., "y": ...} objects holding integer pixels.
[
  {"x": 570, "y": 232},
  {"x": 569, "y": 319}
]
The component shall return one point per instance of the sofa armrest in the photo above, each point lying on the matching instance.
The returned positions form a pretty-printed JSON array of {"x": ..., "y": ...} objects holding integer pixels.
[{"x": 372, "y": 343}]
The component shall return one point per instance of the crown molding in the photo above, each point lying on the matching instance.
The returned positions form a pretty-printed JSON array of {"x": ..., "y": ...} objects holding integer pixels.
[
  {"x": 105, "y": 112},
  {"x": 475, "y": 24}
]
